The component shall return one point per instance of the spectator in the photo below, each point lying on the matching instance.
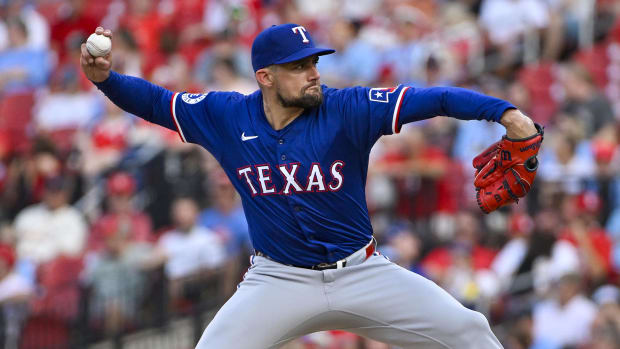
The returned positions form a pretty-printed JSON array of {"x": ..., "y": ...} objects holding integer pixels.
[
  {"x": 191, "y": 254},
  {"x": 36, "y": 25},
  {"x": 606, "y": 325},
  {"x": 26, "y": 175},
  {"x": 508, "y": 22},
  {"x": 407, "y": 248},
  {"x": 407, "y": 57},
  {"x": 135, "y": 225},
  {"x": 355, "y": 60},
  {"x": 462, "y": 267},
  {"x": 584, "y": 232},
  {"x": 177, "y": 170},
  {"x": 115, "y": 275},
  {"x": 226, "y": 78},
  {"x": 22, "y": 68},
  {"x": 15, "y": 292},
  {"x": 71, "y": 27},
  {"x": 103, "y": 147},
  {"x": 511, "y": 256},
  {"x": 52, "y": 228},
  {"x": 225, "y": 217},
  {"x": 66, "y": 106},
  {"x": 565, "y": 318},
  {"x": 566, "y": 165},
  {"x": 584, "y": 101}
]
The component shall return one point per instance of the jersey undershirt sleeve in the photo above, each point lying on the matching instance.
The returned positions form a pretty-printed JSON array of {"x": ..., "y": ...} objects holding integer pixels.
[{"x": 370, "y": 113}]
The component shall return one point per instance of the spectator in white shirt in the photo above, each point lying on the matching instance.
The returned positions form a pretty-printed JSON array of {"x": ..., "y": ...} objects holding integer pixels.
[
  {"x": 51, "y": 228},
  {"x": 566, "y": 318},
  {"x": 190, "y": 253}
]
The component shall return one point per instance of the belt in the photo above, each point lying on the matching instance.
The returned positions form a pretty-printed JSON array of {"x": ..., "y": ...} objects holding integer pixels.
[{"x": 355, "y": 258}]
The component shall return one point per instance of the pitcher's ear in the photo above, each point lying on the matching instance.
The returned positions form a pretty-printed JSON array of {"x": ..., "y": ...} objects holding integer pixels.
[{"x": 264, "y": 77}]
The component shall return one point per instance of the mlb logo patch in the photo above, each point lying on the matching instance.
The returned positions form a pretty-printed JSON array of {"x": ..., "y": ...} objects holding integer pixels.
[
  {"x": 381, "y": 94},
  {"x": 192, "y": 98}
]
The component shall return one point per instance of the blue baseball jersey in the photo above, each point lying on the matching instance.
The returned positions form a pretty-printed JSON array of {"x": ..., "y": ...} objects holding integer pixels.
[{"x": 302, "y": 187}]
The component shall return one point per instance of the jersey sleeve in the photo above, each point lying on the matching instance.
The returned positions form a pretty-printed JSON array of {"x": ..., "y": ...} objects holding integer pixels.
[
  {"x": 424, "y": 103},
  {"x": 198, "y": 118},
  {"x": 370, "y": 113},
  {"x": 203, "y": 118}
]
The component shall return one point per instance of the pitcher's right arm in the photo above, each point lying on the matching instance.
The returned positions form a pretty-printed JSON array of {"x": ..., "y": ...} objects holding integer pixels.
[{"x": 133, "y": 95}]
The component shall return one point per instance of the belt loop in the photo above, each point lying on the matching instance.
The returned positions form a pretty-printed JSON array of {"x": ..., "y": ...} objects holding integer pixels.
[
  {"x": 370, "y": 249},
  {"x": 340, "y": 264}
]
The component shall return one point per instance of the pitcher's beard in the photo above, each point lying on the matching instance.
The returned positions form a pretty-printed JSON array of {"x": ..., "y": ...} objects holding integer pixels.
[{"x": 305, "y": 101}]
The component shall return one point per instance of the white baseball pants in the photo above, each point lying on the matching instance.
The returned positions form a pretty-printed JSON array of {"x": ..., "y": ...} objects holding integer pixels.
[{"x": 378, "y": 299}]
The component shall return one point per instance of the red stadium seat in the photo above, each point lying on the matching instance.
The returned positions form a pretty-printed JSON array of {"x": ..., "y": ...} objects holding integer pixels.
[
  {"x": 54, "y": 313},
  {"x": 15, "y": 118},
  {"x": 596, "y": 60},
  {"x": 538, "y": 80}
]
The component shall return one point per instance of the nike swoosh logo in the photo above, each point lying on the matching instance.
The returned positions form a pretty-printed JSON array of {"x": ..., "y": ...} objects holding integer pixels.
[{"x": 247, "y": 138}]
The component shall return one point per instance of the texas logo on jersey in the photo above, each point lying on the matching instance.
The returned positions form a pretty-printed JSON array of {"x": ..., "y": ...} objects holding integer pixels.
[
  {"x": 315, "y": 180},
  {"x": 381, "y": 94}
]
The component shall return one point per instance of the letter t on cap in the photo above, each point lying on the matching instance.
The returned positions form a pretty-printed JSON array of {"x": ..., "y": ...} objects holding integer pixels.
[{"x": 301, "y": 30}]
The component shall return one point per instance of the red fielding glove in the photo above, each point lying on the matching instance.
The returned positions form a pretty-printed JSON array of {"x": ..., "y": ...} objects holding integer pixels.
[{"x": 506, "y": 170}]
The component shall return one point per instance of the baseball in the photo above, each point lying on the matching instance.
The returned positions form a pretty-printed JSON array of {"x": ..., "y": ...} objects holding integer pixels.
[{"x": 98, "y": 45}]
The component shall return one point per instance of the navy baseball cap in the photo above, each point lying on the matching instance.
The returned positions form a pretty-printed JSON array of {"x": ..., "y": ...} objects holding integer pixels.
[{"x": 283, "y": 43}]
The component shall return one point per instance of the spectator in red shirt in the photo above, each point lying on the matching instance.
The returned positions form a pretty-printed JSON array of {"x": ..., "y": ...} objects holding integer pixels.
[
  {"x": 584, "y": 232},
  {"x": 462, "y": 267},
  {"x": 72, "y": 28},
  {"x": 121, "y": 214}
]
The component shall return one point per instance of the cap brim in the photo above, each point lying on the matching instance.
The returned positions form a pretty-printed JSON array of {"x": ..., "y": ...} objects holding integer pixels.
[{"x": 307, "y": 52}]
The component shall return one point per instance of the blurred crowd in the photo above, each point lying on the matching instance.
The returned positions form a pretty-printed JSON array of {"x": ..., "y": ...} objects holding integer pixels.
[{"x": 109, "y": 225}]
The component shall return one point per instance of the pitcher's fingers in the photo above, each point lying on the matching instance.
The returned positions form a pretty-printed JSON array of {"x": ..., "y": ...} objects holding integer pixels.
[
  {"x": 102, "y": 63},
  {"x": 99, "y": 30},
  {"x": 83, "y": 61},
  {"x": 86, "y": 56},
  {"x": 108, "y": 33}
]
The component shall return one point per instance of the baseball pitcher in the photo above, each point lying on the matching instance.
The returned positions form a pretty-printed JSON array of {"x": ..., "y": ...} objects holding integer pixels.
[{"x": 297, "y": 153}]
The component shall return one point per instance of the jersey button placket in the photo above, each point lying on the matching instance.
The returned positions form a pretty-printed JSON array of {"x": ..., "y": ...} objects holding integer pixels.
[{"x": 283, "y": 157}]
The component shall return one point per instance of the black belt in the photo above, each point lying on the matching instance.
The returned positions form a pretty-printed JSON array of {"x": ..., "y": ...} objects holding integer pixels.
[{"x": 323, "y": 266}]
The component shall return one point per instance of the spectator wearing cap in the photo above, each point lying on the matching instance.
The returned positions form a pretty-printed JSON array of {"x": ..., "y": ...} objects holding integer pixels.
[
  {"x": 121, "y": 214},
  {"x": 15, "y": 292},
  {"x": 52, "y": 228},
  {"x": 116, "y": 276},
  {"x": 406, "y": 248}
]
